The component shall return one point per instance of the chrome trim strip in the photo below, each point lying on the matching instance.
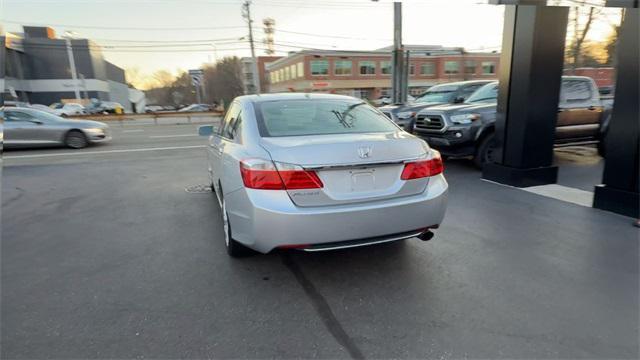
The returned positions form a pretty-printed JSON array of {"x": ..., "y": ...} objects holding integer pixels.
[
  {"x": 397, "y": 238},
  {"x": 361, "y": 165}
]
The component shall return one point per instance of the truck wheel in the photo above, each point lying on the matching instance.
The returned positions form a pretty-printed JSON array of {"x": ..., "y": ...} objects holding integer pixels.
[{"x": 486, "y": 151}]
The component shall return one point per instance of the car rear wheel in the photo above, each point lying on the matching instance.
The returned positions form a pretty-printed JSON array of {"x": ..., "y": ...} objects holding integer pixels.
[
  {"x": 234, "y": 248},
  {"x": 76, "y": 139},
  {"x": 486, "y": 152}
]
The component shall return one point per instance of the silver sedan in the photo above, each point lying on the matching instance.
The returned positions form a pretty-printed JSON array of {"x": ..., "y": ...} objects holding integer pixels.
[
  {"x": 319, "y": 172},
  {"x": 30, "y": 127}
]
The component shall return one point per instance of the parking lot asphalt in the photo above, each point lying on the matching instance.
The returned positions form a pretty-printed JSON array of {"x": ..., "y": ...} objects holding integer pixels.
[{"x": 105, "y": 255}]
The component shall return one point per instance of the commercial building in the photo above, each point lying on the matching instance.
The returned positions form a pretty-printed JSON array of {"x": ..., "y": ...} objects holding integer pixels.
[
  {"x": 38, "y": 70},
  {"x": 367, "y": 74},
  {"x": 248, "y": 73}
]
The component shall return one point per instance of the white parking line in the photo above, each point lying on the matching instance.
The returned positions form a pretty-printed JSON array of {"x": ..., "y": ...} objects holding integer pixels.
[
  {"x": 170, "y": 136},
  {"x": 103, "y": 152},
  {"x": 132, "y": 130},
  {"x": 564, "y": 193}
]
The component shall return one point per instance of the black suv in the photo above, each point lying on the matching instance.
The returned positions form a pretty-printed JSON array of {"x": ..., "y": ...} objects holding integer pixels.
[
  {"x": 468, "y": 129},
  {"x": 449, "y": 93}
]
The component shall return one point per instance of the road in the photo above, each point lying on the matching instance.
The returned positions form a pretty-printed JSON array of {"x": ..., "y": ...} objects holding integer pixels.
[{"x": 105, "y": 255}]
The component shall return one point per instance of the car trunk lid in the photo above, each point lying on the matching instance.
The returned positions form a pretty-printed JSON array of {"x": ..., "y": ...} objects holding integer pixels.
[{"x": 353, "y": 167}]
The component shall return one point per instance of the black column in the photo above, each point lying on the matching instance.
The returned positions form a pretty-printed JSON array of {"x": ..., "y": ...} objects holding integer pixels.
[
  {"x": 619, "y": 189},
  {"x": 530, "y": 75},
  {"x": 3, "y": 60}
]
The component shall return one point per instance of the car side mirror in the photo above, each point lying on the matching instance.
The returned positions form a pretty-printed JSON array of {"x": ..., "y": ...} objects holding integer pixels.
[
  {"x": 207, "y": 130},
  {"x": 458, "y": 100}
]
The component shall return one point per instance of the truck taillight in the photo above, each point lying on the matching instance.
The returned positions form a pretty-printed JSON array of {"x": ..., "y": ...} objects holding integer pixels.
[
  {"x": 423, "y": 168},
  {"x": 265, "y": 175}
]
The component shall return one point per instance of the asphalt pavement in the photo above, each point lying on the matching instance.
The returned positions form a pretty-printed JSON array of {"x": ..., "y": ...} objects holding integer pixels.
[{"x": 105, "y": 254}]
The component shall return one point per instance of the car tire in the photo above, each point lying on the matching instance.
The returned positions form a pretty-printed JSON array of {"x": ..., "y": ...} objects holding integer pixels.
[
  {"x": 485, "y": 152},
  {"x": 76, "y": 139},
  {"x": 234, "y": 248}
]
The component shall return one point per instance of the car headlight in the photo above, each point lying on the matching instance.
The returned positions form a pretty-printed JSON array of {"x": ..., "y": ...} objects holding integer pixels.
[
  {"x": 403, "y": 115},
  {"x": 95, "y": 131},
  {"x": 464, "y": 118}
]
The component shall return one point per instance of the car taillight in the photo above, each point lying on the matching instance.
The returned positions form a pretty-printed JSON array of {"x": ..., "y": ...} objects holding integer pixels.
[
  {"x": 423, "y": 168},
  {"x": 265, "y": 175}
]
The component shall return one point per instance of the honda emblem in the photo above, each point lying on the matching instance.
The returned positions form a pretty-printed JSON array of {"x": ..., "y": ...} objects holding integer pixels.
[{"x": 364, "y": 152}]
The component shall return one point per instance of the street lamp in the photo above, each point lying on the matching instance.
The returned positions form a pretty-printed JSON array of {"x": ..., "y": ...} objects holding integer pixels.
[{"x": 68, "y": 35}]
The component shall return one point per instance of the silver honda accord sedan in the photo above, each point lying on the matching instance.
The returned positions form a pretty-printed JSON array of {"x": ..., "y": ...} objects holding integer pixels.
[
  {"x": 30, "y": 127},
  {"x": 319, "y": 172}
]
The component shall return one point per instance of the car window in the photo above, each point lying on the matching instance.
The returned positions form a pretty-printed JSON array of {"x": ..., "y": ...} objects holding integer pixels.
[
  {"x": 438, "y": 94},
  {"x": 575, "y": 90},
  {"x": 17, "y": 116},
  {"x": 236, "y": 126},
  {"x": 468, "y": 90},
  {"x": 320, "y": 117},
  {"x": 487, "y": 93},
  {"x": 41, "y": 115},
  {"x": 229, "y": 119}
]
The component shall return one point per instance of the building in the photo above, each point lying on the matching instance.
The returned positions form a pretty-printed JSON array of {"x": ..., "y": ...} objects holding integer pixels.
[
  {"x": 367, "y": 74},
  {"x": 38, "y": 70},
  {"x": 248, "y": 70}
]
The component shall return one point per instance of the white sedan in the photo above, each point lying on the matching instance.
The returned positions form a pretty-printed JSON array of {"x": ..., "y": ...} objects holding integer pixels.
[{"x": 320, "y": 172}]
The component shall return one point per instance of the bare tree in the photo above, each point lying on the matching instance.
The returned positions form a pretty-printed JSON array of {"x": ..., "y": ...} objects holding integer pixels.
[{"x": 582, "y": 22}]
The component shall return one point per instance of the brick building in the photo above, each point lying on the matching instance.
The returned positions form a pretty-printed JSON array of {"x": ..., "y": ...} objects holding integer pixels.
[{"x": 367, "y": 74}]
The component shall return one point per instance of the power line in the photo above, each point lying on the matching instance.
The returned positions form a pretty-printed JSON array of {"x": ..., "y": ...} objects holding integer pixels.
[
  {"x": 165, "y": 41},
  {"x": 27, "y": 23}
]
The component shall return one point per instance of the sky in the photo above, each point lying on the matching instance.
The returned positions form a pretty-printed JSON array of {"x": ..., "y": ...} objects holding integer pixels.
[{"x": 175, "y": 35}]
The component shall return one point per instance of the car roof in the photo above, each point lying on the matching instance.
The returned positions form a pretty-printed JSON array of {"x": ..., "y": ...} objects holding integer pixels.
[
  {"x": 575, "y": 77},
  {"x": 292, "y": 96},
  {"x": 468, "y": 82}
]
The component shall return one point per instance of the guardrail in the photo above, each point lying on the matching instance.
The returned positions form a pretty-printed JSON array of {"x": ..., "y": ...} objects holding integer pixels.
[{"x": 154, "y": 116}]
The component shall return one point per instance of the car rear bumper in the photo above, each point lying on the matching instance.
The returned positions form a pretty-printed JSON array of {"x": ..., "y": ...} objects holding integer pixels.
[{"x": 267, "y": 219}]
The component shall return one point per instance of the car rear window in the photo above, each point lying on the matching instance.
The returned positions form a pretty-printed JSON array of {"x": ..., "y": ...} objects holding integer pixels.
[{"x": 319, "y": 117}]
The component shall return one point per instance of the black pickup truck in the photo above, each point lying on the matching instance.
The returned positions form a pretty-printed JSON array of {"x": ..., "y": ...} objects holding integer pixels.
[
  {"x": 467, "y": 129},
  {"x": 448, "y": 93}
]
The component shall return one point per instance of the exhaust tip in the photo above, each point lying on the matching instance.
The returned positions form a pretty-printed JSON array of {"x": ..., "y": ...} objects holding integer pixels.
[{"x": 426, "y": 236}]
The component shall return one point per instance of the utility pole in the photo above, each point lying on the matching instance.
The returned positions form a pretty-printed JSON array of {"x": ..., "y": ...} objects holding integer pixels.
[
  {"x": 72, "y": 65},
  {"x": 399, "y": 93},
  {"x": 246, "y": 14}
]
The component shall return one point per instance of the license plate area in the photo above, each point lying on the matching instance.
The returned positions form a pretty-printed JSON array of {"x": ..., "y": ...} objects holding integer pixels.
[{"x": 363, "y": 180}]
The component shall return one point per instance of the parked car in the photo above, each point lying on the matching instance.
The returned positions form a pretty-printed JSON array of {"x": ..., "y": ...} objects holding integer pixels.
[
  {"x": 41, "y": 108},
  {"x": 68, "y": 109},
  {"x": 104, "y": 107},
  {"x": 30, "y": 127},
  {"x": 468, "y": 129},
  {"x": 153, "y": 108},
  {"x": 291, "y": 170},
  {"x": 196, "y": 108},
  {"x": 386, "y": 100},
  {"x": 449, "y": 93},
  {"x": 112, "y": 107}
]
